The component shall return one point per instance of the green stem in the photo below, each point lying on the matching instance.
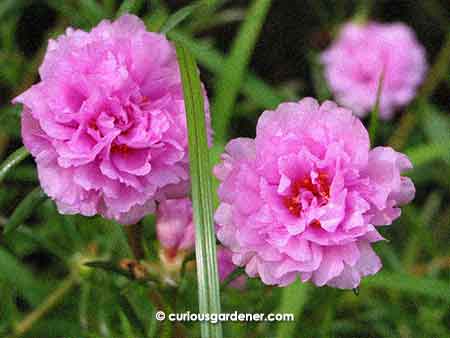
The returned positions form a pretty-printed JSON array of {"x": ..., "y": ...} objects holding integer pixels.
[
  {"x": 134, "y": 237},
  {"x": 233, "y": 275},
  {"x": 293, "y": 299},
  {"x": 375, "y": 111}
]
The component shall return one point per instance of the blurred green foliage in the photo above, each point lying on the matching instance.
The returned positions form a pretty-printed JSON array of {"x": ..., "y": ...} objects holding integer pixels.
[{"x": 42, "y": 272}]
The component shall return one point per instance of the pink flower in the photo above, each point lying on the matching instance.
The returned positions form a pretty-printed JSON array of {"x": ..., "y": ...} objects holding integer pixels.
[
  {"x": 355, "y": 61},
  {"x": 226, "y": 267},
  {"x": 305, "y": 196},
  {"x": 176, "y": 233},
  {"x": 174, "y": 225},
  {"x": 106, "y": 124}
]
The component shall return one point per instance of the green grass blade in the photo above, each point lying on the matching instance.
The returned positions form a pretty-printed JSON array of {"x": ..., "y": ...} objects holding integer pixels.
[
  {"x": 202, "y": 197},
  {"x": 415, "y": 286},
  {"x": 293, "y": 300},
  {"x": 14, "y": 159},
  {"x": 233, "y": 71},
  {"x": 71, "y": 12},
  {"x": 425, "y": 153},
  {"x": 376, "y": 111},
  {"x": 130, "y": 6},
  {"x": 253, "y": 87},
  {"x": 177, "y": 17},
  {"x": 24, "y": 209}
]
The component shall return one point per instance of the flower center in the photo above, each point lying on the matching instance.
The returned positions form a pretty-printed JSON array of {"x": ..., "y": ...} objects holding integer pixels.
[
  {"x": 320, "y": 189},
  {"x": 93, "y": 125}
]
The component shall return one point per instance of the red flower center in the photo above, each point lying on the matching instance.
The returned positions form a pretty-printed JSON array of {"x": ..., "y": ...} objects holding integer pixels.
[
  {"x": 93, "y": 124},
  {"x": 120, "y": 148},
  {"x": 320, "y": 189}
]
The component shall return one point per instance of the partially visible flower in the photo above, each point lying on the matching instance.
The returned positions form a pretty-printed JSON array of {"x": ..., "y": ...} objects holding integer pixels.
[
  {"x": 355, "y": 61},
  {"x": 106, "y": 124},
  {"x": 304, "y": 198},
  {"x": 176, "y": 234},
  {"x": 226, "y": 267},
  {"x": 174, "y": 225}
]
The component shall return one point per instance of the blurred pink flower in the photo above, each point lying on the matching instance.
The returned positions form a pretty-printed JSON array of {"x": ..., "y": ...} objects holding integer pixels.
[
  {"x": 226, "y": 267},
  {"x": 355, "y": 61},
  {"x": 176, "y": 233},
  {"x": 174, "y": 225},
  {"x": 106, "y": 124},
  {"x": 304, "y": 197}
]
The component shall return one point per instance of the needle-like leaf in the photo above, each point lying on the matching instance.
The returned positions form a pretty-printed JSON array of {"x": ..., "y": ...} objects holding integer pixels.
[
  {"x": 177, "y": 17},
  {"x": 25, "y": 209},
  {"x": 202, "y": 198},
  {"x": 14, "y": 159}
]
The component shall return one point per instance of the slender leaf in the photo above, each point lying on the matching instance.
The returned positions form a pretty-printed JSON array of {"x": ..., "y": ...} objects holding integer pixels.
[
  {"x": 233, "y": 275},
  {"x": 177, "y": 17},
  {"x": 253, "y": 87},
  {"x": 438, "y": 71},
  {"x": 425, "y": 153},
  {"x": 317, "y": 76},
  {"x": 23, "y": 173},
  {"x": 24, "y": 235},
  {"x": 25, "y": 209},
  {"x": 20, "y": 278},
  {"x": 233, "y": 72},
  {"x": 110, "y": 266},
  {"x": 202, "y": 197},
  {"x": 14, "y": 159},
  {"x": 376, "y": 110},
  {"x": 225, "y": 17},
  {"x": 92, "y": 10},
  {"x": 421, "y": 228},
  {"x": 53, "y": 299},
  {"x": 130, "y": 6},
  {"x": 436, "y": 74},
  {"x": 127, "y": 329},
  {"x": 135, "y": 305},
  {"x": 157, "y": 18},
  {"x": 436, "y": 124},
  {"x": 429, "y": 287},
  {"x": 68, "y": 10},
  {"x": 10, "y": 121},
  {"x": 436, "y": 127}
]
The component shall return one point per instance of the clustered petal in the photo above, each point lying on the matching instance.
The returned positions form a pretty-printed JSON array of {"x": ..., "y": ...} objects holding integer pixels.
[
  {"x": 356, "y": 60},
  {"x": 304, "y": 198},
  {"x": 174, "y": 225},
  {"x": 106, "y": 124},
  {"x": 176, "y": 234}
]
